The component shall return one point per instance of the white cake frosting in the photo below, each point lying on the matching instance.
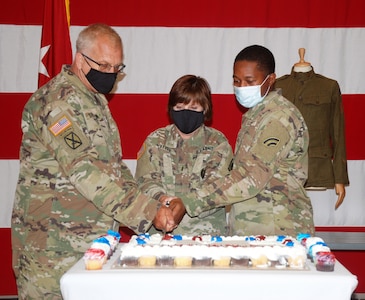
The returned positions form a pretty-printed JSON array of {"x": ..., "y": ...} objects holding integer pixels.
[{"x": 249, "y": 251}]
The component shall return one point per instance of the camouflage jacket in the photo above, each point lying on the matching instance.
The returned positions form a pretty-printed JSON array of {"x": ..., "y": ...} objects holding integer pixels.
[
  {"x": 72, "y": 181},
  {"x": 268, "y": 175},
  {"x": 167, "y": 164}
]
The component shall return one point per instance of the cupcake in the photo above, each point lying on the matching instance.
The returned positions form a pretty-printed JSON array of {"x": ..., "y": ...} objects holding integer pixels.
[
  {"x": 183, "y": 256},
  {"x": 94, "y": 259},
  {"x": 147, "y": 260},
  {"x": 221, "y": 257},
  {"x": 222, "y": 261},
  {"x": 129, "y": 261},
  {"x": 202, "y": 261},
  {"x": 164, "y": 256},
  {"x": 147, "y": 257},
  {"x": 258, "y": 258},
  {"x": 317, "y": 247},
  {"x": 201, "y": 257},
  {"x": 296, "y": 257},
  {"x": 325, "y": 261},
  {"x": 310, "y": 241},
  {"x": 272, "y": 254},
  {"x": 240, "y": 256},
  {"x": 129, "y": 256},
  {"x": 183, "y": 261},
  {"x": 302, "y": 238},
  {"x": 103, "y": 244},
  {"x": 282, "y": 262},
  {"x": 113, "y": 241}
]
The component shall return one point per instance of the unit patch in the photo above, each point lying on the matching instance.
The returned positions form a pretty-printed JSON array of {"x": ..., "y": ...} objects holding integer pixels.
[
  {"x": 270, "y": 141},
  {"x": 66, "y": 133},
  {"x": 73, "y": 140}
]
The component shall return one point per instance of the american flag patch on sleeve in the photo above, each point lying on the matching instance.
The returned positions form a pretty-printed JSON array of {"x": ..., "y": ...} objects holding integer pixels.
[{"x": 60, "y": 126}]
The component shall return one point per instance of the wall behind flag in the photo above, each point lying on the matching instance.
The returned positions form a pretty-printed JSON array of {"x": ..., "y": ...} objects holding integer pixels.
[
  {"x": 165, "y": 39},
  {"x": 163, "y": 42},
  {"x": 156, "y": 57}
]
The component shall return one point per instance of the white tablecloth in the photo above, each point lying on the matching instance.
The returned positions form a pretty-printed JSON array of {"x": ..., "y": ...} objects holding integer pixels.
[{"x": 209, "y": 283}]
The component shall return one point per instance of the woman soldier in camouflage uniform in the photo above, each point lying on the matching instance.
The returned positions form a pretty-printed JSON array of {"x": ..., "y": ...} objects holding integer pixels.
[{"x": 176, "y": 159}]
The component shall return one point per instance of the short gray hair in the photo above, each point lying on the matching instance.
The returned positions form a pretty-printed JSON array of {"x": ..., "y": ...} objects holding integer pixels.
[{"x": 88, "y": 36}]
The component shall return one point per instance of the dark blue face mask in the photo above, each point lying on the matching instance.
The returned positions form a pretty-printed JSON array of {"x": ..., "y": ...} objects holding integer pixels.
[
  {"x": 102, "y": 82},
  {"x": 187, "y": 120}
]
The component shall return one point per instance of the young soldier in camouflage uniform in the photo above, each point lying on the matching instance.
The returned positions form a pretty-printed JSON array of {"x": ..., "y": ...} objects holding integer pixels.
[
  {"x": 72, "y": 183},
  {"x": 271, "y": 159},
  {"x": 177, "y": 158}
]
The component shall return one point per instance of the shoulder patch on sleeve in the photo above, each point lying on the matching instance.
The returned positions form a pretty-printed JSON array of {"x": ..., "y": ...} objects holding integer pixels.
[
  {"x": 60, "y": 125},
  {"x": 271, "y": 142},
  {"x": 73, "y": 140},
  {"x": 69, "y": 136}
]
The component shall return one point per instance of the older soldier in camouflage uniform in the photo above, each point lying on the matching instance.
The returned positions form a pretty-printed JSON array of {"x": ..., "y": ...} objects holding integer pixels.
[
  {"x": 271, "y": 159},
  {"x": 72, "y": 183},
  {"x": 176, "y": 159}
]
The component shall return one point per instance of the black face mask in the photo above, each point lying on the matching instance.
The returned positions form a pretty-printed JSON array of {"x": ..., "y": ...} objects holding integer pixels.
[
  {"x": 102, "y": 82},
  {"x": 187, "y": 120}
]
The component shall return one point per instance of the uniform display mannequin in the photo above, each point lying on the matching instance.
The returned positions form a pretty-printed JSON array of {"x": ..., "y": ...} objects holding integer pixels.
[{"x": 319, "y": 100}]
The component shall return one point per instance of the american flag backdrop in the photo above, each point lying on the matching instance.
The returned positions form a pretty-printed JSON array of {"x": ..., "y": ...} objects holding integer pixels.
[{"x": 164, "y": 40}]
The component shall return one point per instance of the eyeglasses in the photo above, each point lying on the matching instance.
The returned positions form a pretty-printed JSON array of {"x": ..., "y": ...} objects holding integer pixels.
[{"x": 105, "y": 67}]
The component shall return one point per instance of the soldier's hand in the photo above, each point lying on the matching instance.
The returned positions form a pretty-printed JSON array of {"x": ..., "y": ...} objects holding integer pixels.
[
  {"x": 178, "y": 210},
  {"x": 164, "y": 219},
  {"x": 170, "y": 214}
]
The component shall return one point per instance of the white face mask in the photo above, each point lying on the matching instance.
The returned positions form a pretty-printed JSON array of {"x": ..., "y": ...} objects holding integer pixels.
[{"x": 249, "y": 96}]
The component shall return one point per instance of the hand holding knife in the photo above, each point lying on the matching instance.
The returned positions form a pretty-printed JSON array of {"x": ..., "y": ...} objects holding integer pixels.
[{"x": 170, "y": 214}]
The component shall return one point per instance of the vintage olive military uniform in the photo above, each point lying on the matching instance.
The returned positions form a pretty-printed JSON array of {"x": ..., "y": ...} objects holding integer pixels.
[
  {"x": 168, "y": 164},
  {"x": 72, "y": 183},
  {"x": 319, "y": 100},
  {"x": 269, "y": 171}
]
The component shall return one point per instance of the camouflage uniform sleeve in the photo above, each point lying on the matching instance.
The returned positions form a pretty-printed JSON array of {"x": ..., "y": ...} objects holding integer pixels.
[
  {"x": 88, "y": 162},
  {"x": 253, "y": 166},
  {"x": 220, "y": 162},
  {"x": 217, "y": 166},
  {"x": 149, "y": 169}
]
